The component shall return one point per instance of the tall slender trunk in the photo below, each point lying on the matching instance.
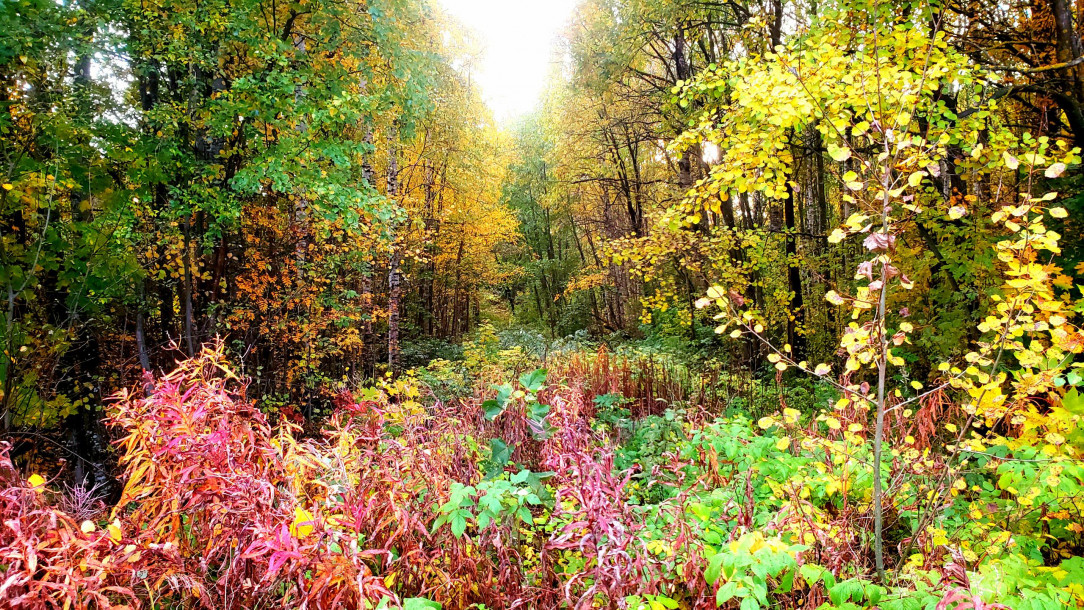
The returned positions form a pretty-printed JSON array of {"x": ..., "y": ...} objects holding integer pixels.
[
  {"x": 368, "y": 357},
  {"x": 394, "y": 277},
  {"x": 683, "y": 72},
  {"x": 189, "y": 314},
  {"x": 882, "y": 374},
  {"x": 796, "y": 316}
]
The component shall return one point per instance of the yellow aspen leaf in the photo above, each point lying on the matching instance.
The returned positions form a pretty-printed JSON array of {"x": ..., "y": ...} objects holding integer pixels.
[
  {"x": 839, "y": 153},
  {"x": 1058, "y": 212},
  {"x": 113, "y": 529},
  {"x": 8, "y": 186},
  {"x": 37, "y": 482},
  {"x": 1010, "y": 161},
  {"x": 734, "y": 334},
  {"x": 833, "y": 423},
  {"x": 783, "y": 443},
  {"x": 766, "y": 422},
  {"x": 822, "y": 370},
  {"x": 837, "y": 236},
  {"x": 87, "y": 526},
  {"x": 1054, "y": 170},
  {"x": 957, "y": 212}
]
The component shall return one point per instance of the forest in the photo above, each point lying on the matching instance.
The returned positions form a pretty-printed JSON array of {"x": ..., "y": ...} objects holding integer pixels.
[{"x": 768, "y": 304}]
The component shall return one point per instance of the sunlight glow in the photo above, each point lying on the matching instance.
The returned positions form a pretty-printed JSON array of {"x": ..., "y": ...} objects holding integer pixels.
[{"x": 518, "y": 40}]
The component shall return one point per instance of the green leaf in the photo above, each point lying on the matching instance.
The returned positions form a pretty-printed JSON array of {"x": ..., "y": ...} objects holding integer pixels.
[
  {"x": 492, "y": 409},
  {"x": 1073, "y": 402},
  {"x": 715, "y": 565},
  {"x": 787, "y": 582},
  {"x": 533, "y": 381},
  {"x": 504, "y": 392},
  {"x": 499, "y": 456},
  {"x": 539, "y": 411},
  {"x": 420, "y": 603},
  {"x": 873, "y": 594},
  {"x": 725, "y": 593},
  {"x": 459, "y": 524}
]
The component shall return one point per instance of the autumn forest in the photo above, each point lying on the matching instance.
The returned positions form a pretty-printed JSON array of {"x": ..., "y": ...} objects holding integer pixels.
[{"x": 767, "y": 304}]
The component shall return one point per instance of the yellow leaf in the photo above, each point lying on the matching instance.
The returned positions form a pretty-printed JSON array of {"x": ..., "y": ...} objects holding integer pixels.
[
  {"x": 956, "y": 212},
  {"x": 782, "y": 443},
  {"x": 839, "y": 153},
  {"x": 1010, "y": 161},
  {"x": 735, "y": 333},
  {"x": 837, "y": 236},
  {"x": 113, "y": 529},
  {"x": 822, "y": 370},
  {"x": 36, "y": 482},
  {"x": 1054, "y": 170},
  {"x": 87, "y": 526},
  {"x": 303, "y": 524},
  {"x": 766, "y": 422},
  {"x": 8, "y": 186},
  {"x": 1058, "y": 212},
  {"x": 833, "y": 423}
]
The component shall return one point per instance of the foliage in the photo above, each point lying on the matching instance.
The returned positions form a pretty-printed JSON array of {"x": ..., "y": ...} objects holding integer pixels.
[{"x": 769, "y": 305}]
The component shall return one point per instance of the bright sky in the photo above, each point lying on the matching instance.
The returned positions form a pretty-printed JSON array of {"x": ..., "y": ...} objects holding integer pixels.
[{"x": 518, "y": 38}]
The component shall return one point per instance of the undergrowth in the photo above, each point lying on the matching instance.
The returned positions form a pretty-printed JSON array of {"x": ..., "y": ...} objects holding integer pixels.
[{"x": 539, "y": 491}]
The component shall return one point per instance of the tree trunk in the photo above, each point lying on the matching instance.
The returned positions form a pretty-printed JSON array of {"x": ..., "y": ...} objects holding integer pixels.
[{"x": 394, "y": 278}]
